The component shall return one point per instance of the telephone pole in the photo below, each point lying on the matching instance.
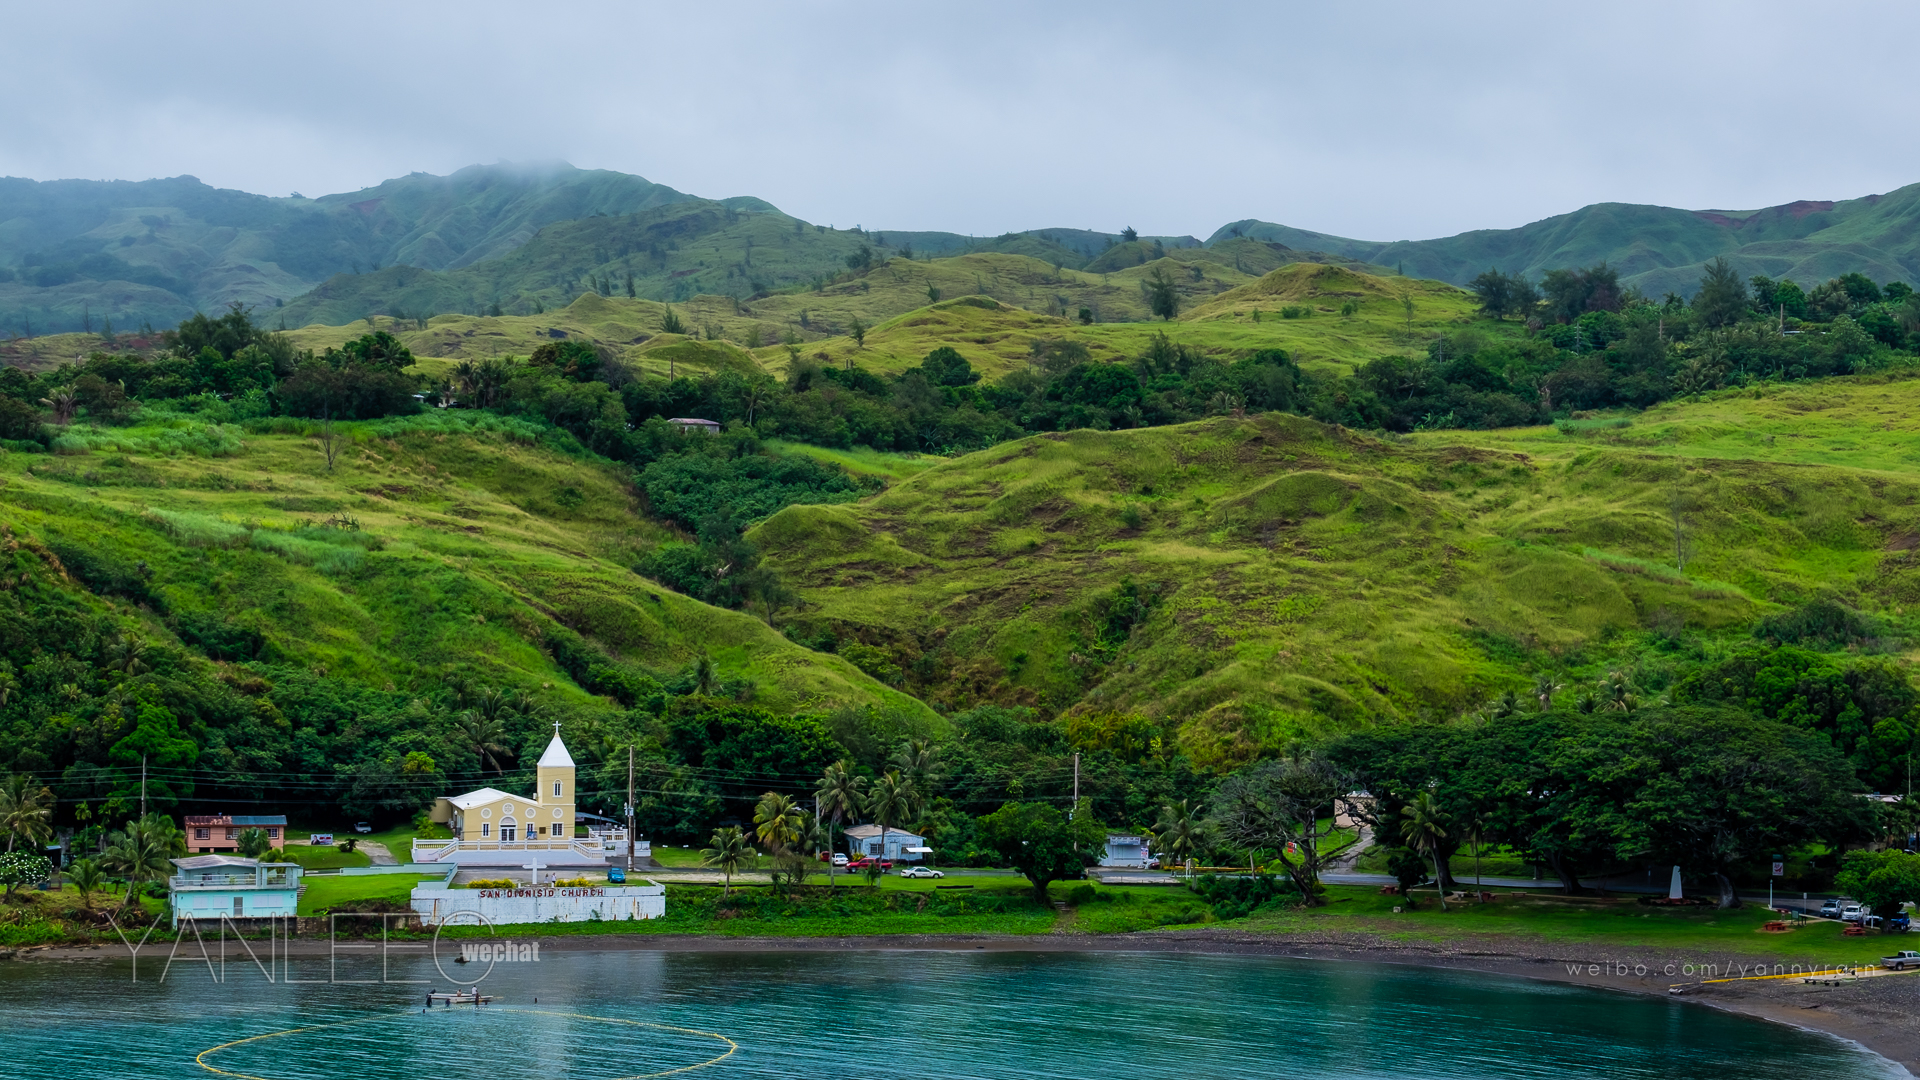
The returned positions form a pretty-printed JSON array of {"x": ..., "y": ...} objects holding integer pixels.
[
  {"x": 1076, "y": 785},
  {"x": 629, "y": 809},
  {"x": 143, "y": 782}
]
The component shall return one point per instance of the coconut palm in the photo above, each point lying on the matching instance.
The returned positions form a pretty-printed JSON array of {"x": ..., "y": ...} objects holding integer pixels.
[
  {"x": 63, "y": 402},
  {"x": 919, "y": 761},
  {"x": 1507, "y": 704},
  {"x": 26, "y": 810},
  {"x": 839, "y": 798},
  {"x": 87, "y": 878},
  {"x": 1544, "y": 687},
  {"x": 142, "y": 852},
  {"x": 1424, "y": 828},
  {"x": 485, "y": 736},
  {"x": 1473, "y": 831},
  {"x": 253, "y": 844},
  {"x": 730, "y": 852},
  {"x": 892, "y": 801},
  {"x": 1617, "y": 694},
  {"x": 776, "y": 822},
  {"x": 1180, "y": 831},
  {"x": 706, "y": 678}
]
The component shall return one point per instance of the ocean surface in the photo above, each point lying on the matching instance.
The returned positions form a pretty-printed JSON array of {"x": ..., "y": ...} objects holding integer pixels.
[{"x": 727, "y": 1016}]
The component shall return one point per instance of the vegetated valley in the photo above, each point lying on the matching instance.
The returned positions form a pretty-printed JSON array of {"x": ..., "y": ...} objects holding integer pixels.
[{"x": 1201, "y": 514}]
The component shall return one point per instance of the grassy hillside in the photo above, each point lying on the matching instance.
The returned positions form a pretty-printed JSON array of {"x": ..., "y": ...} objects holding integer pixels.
[
  {"x": 1656, "y": 248},
  {"x": 1245, "y": 581},
  {"x": 993, "y": 308},
  {"x": 437, "y": 546}
]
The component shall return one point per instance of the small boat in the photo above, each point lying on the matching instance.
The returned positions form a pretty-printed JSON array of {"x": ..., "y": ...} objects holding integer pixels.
[{"x": 460, "y": 997}]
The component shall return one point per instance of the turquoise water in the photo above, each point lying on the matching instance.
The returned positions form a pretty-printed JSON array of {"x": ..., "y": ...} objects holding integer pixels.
[{"x": 883, "y": 1014}]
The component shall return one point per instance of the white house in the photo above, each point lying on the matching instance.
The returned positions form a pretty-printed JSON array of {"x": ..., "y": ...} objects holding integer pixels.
[
  {"x": 865, "y": 840},
  {"x": 1126, "y": 851}
]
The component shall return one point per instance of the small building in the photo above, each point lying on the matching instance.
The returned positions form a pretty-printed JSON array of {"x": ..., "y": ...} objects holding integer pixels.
[
  {"x": 1126, "y": 851},
  {"x": 491, "y": 816},
  {"x": 864, "y": 841},
  {"x": 694, "y": 423},
  {"x": 213, "y": 887},
  {"x": 210, "y": 834}
]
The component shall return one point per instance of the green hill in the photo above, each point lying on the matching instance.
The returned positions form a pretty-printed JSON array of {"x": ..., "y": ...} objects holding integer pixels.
[
  {"x": 1656, "y": 248},
  {"x": 1246, "y": 581},
  {"x": 440, "y": 547}
]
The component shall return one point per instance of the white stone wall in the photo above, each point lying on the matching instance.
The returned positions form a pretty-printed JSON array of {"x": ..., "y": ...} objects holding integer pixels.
[{"x": 546, "y": 903}]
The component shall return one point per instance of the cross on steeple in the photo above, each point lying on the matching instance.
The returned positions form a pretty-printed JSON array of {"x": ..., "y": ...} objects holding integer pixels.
[{"x": 556, "y": 729}]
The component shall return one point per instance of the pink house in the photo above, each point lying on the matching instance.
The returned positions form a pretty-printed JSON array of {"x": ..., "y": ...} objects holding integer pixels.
[{"x": 209, "y": 834}]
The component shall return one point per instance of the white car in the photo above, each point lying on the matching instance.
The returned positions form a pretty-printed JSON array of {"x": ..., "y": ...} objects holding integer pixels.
[
  {"x": 920, "y": 871},
  {"x": 839, "y": 858},
  {"x": 1852, "y": 913}
]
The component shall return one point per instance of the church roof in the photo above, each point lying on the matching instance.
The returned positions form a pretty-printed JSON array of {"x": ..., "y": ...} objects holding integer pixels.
[
  {"x": 480, "y": 798},
  {"x": 556, "y": 756}
]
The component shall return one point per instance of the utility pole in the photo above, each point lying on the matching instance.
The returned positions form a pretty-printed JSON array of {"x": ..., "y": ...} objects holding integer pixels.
[
  {"x": 143, "y": 781},
  {"x": 629, "y": 809},
  {"x": 1076, "y": 785}
]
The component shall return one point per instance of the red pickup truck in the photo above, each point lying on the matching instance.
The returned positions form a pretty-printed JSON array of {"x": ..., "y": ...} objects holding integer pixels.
[{"x": 862, "y": 864}]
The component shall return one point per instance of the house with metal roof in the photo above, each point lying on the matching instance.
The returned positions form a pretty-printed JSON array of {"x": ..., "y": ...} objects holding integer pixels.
[
  {"x": 899, "y": 845},
  {"x": 213, "y": 887},
  {"x": 210, "y": 834}
]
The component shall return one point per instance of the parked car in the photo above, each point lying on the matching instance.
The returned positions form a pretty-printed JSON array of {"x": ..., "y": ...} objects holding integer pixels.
[
  {"x": 835, "y": 858},
  {"x": 1900, "y": 923},
  {"x": 1851, "y": 912},
  {"x": 862, "y": 864},
  {"x": 1901, "y": 960},
  {"x": 839, "y": 858},
  {"x": 1830, "y": 909},
  {"x": 616, "y": 876},
  {"x": 920, "y": 872},
  {"x": 362, "y": 827}
]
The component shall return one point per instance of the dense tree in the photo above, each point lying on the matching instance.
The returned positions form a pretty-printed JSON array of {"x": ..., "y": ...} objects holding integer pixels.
[
  {"x": 1040, "y": 842},
  {"x": 1284, "y": 807},
  {"x": 1721, "y": 299}
]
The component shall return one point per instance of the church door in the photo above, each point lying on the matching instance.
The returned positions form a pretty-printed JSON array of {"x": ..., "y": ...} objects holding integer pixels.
[{"x": 506, "y": 832}]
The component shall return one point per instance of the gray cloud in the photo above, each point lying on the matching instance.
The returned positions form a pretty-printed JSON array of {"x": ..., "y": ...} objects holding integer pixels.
[{"x": 1381, "y": 121}]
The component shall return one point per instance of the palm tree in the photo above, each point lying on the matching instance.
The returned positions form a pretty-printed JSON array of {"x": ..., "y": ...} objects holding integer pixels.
[
  {"x": 141, "y": 853},
  {"x": 63, "y": 402},
  {"x": 1507, "y": 704},
  {"x": 730, "y": 851},
  {"x": 1544, "y": 687},
  {"x": 891, "y": 802},
  {"x": 1424, "y": 827},
  {"x": 26, "y": 810},
  {"x": 1474, "y": 832},
  {"x": 485, "y": 736},
  {"x": 705, "y": 677},
  {"x": 86, "y": 877},
  {"x": 919, "y": 760},
  {"x": 1180, "y": 831},
  {"x": 839, "y": 798},
  {"x": 1616, "y": 693},
  {"x": 776, "y": 822},
  {"x": 253, "y": 844}
]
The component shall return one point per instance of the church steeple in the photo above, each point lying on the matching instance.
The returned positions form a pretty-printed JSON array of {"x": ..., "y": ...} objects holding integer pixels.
[{"x": 555, "y": 772}]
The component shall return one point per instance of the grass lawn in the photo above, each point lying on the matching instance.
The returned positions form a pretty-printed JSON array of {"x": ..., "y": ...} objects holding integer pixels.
[
  {"x": 1580, "y": 921},
  {"x": 330, "y": 893},
  {"x": 326, "y": 857}
]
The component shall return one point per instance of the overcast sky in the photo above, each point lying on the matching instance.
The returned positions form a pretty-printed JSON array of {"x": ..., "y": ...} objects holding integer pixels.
[{"x": 1381, "y": 120}]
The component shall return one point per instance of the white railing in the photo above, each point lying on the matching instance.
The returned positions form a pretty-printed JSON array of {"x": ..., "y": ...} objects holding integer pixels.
[
  {"x": 426, "y": 851},
  {"x": 223, "y": 881}
]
